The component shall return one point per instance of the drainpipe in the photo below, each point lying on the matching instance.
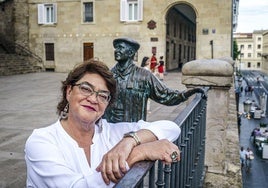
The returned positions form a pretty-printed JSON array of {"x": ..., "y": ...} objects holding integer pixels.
[{"x": 211, "y": 43}]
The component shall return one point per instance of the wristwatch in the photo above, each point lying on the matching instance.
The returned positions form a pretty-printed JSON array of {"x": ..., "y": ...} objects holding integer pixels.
[{"x": 133, "y": 135}]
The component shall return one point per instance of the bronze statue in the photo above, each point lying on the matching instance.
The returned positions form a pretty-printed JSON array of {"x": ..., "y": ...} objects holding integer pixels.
[{"x": 135, "y": 85}]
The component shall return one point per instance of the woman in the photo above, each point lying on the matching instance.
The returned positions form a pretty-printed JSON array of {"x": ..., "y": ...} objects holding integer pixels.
[
  {"x": 160, "y": 68},
  {"x": 153, "y": 63},
  {"x": 146, "y": 62},
  {"x": 146, "y": 65},
  {"x": 83, "y": 150}
]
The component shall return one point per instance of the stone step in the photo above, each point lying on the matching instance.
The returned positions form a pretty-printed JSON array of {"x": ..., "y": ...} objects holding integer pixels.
[{"x": 11, "y": 64}]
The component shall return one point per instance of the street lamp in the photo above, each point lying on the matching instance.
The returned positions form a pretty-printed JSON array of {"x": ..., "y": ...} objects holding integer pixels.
[
  {"x": 240, "y": 59},
  {"x": 247, "y": 107}
]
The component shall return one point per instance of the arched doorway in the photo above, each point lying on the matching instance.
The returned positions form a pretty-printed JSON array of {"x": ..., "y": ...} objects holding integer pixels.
[{"x": 180, "y": 36}]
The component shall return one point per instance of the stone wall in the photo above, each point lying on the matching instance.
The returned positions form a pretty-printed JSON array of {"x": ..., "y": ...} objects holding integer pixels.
[
  {"x": 14, "y": 21},
  {"x": 222, "y": 141},
  {"x": 21, "y": 22},
  {"x": 7, "y": 20},
  {"x": 69, "y": 33}
]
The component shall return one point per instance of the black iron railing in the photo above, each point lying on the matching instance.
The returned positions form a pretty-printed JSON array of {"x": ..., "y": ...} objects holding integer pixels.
[
  {"x": 190, "y": 171},
  {"x": 15, "y": 48}
]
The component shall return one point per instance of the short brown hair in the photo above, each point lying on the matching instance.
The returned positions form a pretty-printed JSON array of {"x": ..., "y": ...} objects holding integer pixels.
[{"x": 90, "y": 66}]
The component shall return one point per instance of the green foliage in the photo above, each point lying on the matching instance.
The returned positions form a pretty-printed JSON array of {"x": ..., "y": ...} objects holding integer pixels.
[
  {"x": 236, "y": 53},
  {"x": 263, "y": 124}
]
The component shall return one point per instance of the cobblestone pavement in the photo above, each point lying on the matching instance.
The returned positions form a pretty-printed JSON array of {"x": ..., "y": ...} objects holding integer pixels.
[{"x": 28, "y": 101}]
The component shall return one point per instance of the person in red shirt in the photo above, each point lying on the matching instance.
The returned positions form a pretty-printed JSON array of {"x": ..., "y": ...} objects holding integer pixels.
[
  {"x": 161, "y": 68},
  {"x": 153, "y": 63}
]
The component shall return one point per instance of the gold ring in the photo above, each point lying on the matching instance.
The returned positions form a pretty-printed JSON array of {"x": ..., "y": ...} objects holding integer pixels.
[{"x": 174, "y": 156}]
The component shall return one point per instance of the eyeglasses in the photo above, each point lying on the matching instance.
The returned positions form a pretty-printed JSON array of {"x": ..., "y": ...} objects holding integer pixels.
[{"x": 87, "y": 89}]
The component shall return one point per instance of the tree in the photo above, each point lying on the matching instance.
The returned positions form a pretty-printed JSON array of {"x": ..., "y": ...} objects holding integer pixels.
[{"x": 236, "y": 52}]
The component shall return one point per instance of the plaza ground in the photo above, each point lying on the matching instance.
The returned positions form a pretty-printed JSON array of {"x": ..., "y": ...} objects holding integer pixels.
[{"x": 29, "y": 101}]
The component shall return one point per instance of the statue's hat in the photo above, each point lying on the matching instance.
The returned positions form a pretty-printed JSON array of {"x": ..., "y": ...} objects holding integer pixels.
[{"x": 129, "y": 41}]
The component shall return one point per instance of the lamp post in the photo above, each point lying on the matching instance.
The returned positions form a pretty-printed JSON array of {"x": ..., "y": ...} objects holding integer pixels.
[
  {"x": 247, "y": 107},
  {"x": 240, "y": 59}
]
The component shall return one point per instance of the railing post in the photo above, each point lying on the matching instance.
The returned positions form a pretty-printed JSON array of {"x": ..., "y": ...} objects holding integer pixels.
[{"x": 222, "y": 141}]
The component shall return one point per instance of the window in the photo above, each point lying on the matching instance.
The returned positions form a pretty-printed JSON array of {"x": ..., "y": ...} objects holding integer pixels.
[
  {"x": 242, "y": 46},
  {"x": 49, "y": 50},
  {"x": 259, "y": 38},
  {"x": 249, "y": 64},
  {"x": 258, "y": 65},
  {"x": 185, "y": 32},
  {"x": 88, "y": 12},
  {"x": 47, "y": 13},
  {"x": 174, "y": 51},
  {"x": 174, "y": 29},
  {"x": 258, "y": 54},
  {"x": 249, "y": 46},
  {"x": 184, "y": 53},
  {"x": 131, "y": 10},
  {"x": 181, "y": 26},
  {"x": 249, "y": 54},
  {"x": 259, "y": 46},
  {"x": 234, "y": 9},
  {"x": 242, "y": 55},
  {"x": 168, "y": 25}
]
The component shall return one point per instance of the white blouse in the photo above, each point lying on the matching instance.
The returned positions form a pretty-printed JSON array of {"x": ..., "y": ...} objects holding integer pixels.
[{"x": 54, "y": 159}]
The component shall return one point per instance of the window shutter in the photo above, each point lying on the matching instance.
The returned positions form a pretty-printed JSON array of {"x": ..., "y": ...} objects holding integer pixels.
[
  {"x": 140, "y": 10},
  {"x": 40, "y": 9},
  {"x": 123, "y": 10},
  {"x": 49, "y": 51},
  {"x": 55, "y": 13}
]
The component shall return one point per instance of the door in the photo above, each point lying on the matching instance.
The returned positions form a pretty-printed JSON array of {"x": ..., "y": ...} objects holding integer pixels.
[{"x": 88, "y": 51}]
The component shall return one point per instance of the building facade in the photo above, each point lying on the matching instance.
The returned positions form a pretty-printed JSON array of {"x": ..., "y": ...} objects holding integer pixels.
[
  {"x": 265, "y": 52},
  {"x": 250, "y": 46},
  {"x": 66, "y": 32},
  {"x": 235, "y": 14}
]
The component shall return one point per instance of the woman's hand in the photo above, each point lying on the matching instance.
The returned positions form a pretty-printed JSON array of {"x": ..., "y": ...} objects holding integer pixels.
[
  {"x": 113, "y": 165},
  {"x": 157, "y": 150}
]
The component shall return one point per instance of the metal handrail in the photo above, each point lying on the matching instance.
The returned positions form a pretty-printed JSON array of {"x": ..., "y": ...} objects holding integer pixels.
[
  {"x": 190, "y": 171},
  {"x": 21, "y": 50},
  {"x": 12, "y": 47}
]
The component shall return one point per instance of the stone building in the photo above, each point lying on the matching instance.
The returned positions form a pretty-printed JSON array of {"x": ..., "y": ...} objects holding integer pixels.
[
  {"x": 251, "y": 47},
  {"x": 265, "y": 52},
  {"x": 14, "y": 21},
  {"x": 235, "y": 14},
  {"x": 64, "y": 33}
]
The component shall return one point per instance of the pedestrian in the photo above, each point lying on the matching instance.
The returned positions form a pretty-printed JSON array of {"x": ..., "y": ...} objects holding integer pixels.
[
  {"x": 135, "y": 86},
  {"x": 153, "y": 63},
  {"x": 250, "y": 90},
  {"x": 239, "y": 122},
  {"x": 146, "y": 65},
  {"x": 249, "y": 158},
  {"x": 237, "y": 92},
  {"x": 81, "y": 149},
  {"x": 161, "y": 67},
  {"x": 242, "y": 154},
  {"x": 257, "y": 131},
  {"x": 258, "y": 81},
  {"x": 246, "y": 91}
]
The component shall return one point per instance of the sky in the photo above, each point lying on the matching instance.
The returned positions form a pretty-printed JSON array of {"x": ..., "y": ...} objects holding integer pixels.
[{"x": 253, "y": 15}]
